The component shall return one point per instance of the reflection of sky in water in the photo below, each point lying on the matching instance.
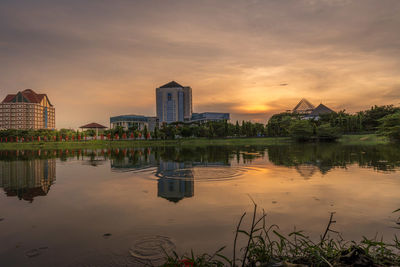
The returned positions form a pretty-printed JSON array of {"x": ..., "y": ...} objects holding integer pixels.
[{"x": 191, "y": 198}]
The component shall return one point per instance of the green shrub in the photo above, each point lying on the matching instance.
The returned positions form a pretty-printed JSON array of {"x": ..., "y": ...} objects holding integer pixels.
[
  {"x": 325, "y": 132},
  {"x": 390, "y": 126},
  {"x": 301, "y": 130}
]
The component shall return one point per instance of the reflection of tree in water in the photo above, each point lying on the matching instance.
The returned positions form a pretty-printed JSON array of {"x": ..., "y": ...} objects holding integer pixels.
[
  {"x": 93, "y": 157},
  {"x": 324, "y": 157},
  {"x": 124, "y": 160},
  {"x": 27, "y": 179}
]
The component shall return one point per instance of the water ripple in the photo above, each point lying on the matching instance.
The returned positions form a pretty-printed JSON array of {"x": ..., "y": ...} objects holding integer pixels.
[
  {"x": 198, "y": 174},
  {"x": 152, "y": 248}
]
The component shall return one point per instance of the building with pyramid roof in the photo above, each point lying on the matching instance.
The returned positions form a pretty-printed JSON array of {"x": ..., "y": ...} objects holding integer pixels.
[
  {"x": 321, "y": 109},
  {"x": 303, "y": 107}
]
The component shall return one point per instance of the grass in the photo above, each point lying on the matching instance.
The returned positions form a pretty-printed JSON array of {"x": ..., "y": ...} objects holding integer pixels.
[
  {"x": 363, "y": 139},
  {"x": 369, "y": 139},
  {"x": 266, "y": 246},
  {"x": 143, "y": 143}
]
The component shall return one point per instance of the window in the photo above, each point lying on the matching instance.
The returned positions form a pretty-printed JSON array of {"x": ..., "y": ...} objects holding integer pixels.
[{"x": 169, "y": 96}]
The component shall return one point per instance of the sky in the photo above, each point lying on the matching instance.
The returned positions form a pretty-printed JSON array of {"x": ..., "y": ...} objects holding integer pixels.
[{"x": 251, "y": 58}]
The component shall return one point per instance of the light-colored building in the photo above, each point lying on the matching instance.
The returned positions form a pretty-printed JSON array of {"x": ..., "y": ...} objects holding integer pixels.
[
  {"x": 27, "y": 110},
  {"x": 134, "y": 121},
  {"x": 174, "y": 103},
  {"x": 209, "y": 116}
]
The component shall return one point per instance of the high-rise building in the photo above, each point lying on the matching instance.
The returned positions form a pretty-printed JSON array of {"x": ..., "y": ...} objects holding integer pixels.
[
  {"x": 27, "y": 110},
  {"x": 174, "y": 102}
]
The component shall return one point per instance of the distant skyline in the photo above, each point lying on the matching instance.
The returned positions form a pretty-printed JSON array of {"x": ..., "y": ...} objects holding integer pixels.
[{"x": 253, "y": 58}]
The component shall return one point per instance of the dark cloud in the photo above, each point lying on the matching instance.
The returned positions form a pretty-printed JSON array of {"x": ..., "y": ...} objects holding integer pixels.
[{"x": 235, "y": 54}]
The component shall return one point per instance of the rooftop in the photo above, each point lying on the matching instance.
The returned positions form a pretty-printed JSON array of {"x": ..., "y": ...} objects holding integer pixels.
[
  {"x": 27, "y": 96},
  {"x": 321, "y": 109},
  {"x": 93, "y": 125},
  {"x": 303, "y": 105},
  {"x": 172, "y": 84},
  {"x": 129, "y": 118}
]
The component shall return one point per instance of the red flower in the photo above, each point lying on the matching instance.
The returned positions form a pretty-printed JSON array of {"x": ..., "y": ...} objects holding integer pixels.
[{"x": 186, "y": 263}]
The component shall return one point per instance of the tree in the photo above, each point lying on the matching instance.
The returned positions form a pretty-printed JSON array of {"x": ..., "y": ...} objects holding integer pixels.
[
  {"x": 301, "y": 130},
  {"x": 145, "y": 131},
  {"x": 186, "y": 131},
  {"x": 326, "y": 132},
  {"x": 390, "y": 126},
  {"x": 237, "y": 129},
  {"x": 156, "y": 132},
  {"x": 372, "y": 116}
]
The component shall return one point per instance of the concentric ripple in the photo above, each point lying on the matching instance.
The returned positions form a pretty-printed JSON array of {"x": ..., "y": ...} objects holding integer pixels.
[
  {"x": 209, "y": 174},
  {"x": 151, "y": 248},
  {"x": 197, "y": 173}
]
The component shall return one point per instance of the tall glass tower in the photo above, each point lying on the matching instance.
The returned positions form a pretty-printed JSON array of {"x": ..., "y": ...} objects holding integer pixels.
[{"x": 174, "y": 102}]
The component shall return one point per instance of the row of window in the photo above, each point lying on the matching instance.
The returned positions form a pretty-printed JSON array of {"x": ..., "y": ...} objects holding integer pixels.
[
  {"x": 27, "y": 127},
  {"x": 26, "y": 114}
]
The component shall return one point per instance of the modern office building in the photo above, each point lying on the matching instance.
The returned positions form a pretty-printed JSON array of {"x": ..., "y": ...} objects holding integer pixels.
[
  {"x": 209, "y": 116},
  {"x": 136, "y": 121},
  {"x": 174, "y": 103},
  {"x": 27, "y": 110}
]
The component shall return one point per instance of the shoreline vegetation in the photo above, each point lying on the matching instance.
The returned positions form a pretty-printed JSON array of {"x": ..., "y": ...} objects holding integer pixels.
[
  {"x": 354, "y": 139},
  {"x": 379, "y": 125},
  {"x": 265, "y": 245}
]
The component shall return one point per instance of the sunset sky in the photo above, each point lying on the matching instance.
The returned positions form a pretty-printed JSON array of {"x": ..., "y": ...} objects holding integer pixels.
[{"x": 253, "y": 58}]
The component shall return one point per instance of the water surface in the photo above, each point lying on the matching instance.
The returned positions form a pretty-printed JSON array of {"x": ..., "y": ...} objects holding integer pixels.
[{"x": 118, "y": 207}]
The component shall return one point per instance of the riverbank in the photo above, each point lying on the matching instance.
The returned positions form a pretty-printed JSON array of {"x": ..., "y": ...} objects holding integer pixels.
[
  {"x": 96, "y": 144},
  {"x": 267, "y": 246},
  {"x": 370, "y": 139}
]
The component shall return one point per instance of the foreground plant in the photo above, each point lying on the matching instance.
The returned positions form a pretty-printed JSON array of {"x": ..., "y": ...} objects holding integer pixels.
[{"x": 265, "y": 246}]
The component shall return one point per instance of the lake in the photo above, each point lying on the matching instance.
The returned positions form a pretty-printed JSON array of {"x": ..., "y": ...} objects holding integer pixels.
[{"x": 117, "y": 207}]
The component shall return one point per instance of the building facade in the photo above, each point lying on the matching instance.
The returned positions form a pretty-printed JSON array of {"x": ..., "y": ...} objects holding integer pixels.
[
  {"x": 138, "y": 122},
  {"x": 209, "y": 116},
  {"x": 27, "y": 110},
  {"x": 174, "y": 103}
]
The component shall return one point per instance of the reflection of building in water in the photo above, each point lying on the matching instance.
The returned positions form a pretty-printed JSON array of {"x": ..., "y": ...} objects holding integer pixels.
[
  {"x": 27, "y": 179},
  {"x": 306, "y": 170},
  {"x": 134, "y": 161},
  {"x": 175, "y": 181}
]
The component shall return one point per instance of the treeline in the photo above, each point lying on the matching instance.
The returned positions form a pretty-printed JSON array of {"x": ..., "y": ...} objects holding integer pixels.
[
  {"x": 13, "y": 135},
  {"x": 217, "y": 129},
  {"x": 384, "y": 120}
]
